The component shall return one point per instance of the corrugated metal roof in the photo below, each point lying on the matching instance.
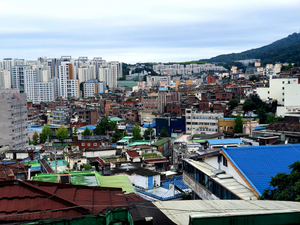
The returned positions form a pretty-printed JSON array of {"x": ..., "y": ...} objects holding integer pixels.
[
  {"x": 228, "y": 182},
  {"x": 180, "y": 212},
  {"x": 259, "y": 163}
]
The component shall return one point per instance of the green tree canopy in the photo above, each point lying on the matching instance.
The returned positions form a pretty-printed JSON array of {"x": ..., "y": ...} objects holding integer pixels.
[
  {"x": 284, "y": 186},
  {"x": 147, "y": 133},
  {"x": 62, "y": 133},
  {"x": 233, "y": 103},
  {"x": 105, "y": 125},
  {"x": 262, "y": 115},
  {"x": 86, "y": 132},
  {"x": 46, "y": 132},
  {"x": 87, "y": 167},
  {"x": 136, "y": 132},
  {"x": 35, "y": 138},
  {"x": 164, "y": 133},
  {"x": 238, "y": 127},
  {"x": 116, "y": 136}
]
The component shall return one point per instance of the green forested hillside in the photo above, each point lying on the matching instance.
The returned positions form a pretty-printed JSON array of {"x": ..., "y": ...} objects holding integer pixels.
[{"x": 283, "y": 50}]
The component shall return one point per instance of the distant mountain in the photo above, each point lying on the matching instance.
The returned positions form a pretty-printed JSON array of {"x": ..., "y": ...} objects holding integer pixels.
[{"x": 283, "y": 50}]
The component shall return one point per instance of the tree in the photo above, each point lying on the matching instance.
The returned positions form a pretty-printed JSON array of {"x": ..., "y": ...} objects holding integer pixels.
[
  {"x": 46, "y": 132},
  {"x": 249, "y": 105},
  {"x": 164, "y": 133},
  {"x": 87, "y": 167},
  {"x": 102, "y": 127},
  {"x": 147, "y": 133},
  {"x": 238, "y": 127},
  {"x": 233, "y": 103},
  {"x": 35, "y": 138},
  {"x": 116, "y": 136},
  {"x": 75, "y": 131},
  {"x": 262, "y": 115},
  {"x": 62, "y": 133},
  {"x": 284, "y": 186},
  {"x": 136, "y": 132},
  {"x": 87, "y": 132}
]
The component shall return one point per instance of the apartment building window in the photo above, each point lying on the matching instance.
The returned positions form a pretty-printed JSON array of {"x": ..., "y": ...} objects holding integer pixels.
[
  {"x": 282, "y": 88},
  {"x": 88, "y": 144},
  {"x": 82, "y": 144},
  {"x": 282, "y": 82},
  {"x": 94, "y": 144}
]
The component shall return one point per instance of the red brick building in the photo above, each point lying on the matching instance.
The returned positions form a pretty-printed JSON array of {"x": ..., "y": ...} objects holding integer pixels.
[{"x": 89, "y": 142}]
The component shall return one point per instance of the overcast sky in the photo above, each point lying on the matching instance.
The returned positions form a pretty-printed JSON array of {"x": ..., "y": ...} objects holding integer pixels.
[{"x": 142, "y": 31}]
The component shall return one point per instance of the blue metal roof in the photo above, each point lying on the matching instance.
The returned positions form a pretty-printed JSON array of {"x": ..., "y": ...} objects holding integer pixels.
[
  {"x": 259, "y": 163},
  {"x": 178, "y": 181},
  {"x": 88, "y": 126},
  {"x": 152, "y": 124},
  {"x": 225, "y": 141}
]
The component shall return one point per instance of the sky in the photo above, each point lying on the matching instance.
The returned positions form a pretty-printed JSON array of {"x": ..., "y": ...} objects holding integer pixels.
[{"x": 142, "y": 31}]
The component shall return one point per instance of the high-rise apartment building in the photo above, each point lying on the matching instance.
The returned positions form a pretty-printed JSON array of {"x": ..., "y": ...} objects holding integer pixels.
[
  {"x": 68, "y": 84},
  {"x": 13, "y": 120}
]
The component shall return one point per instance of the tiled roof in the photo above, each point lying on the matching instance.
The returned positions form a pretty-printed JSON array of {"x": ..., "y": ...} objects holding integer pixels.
[
  {"x": 133, "y": 154},
  {"x": 259, "y": 163},
  {"x": 33, "y": 200}
]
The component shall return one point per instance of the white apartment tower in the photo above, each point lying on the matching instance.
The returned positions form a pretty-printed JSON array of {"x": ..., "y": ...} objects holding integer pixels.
[
  {"x": 13, "y": 120},
  {"x": 68, "y": 85}
]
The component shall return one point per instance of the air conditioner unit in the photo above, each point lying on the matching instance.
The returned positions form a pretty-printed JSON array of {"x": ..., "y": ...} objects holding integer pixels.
[{"x": 64, "y": 178}]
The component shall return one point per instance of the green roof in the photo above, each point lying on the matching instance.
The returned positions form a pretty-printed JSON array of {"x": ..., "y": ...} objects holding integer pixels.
[
  {"x": 160, "y": 142},
  {"x": 33, "y": 163},
  {"x": 139, "y": 142},
  {"x": 90, "y": 178},
  {"x": 116, "y": 182},
  {"x": 114, "y": 119},
  {"x": 125, "y": 139}
]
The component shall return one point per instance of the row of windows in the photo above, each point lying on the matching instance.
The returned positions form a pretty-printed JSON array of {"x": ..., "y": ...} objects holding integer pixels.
[
  {"x": 207, "y": 182},
  {"x": 203, "y": 129},
  {"x": 89, "y": 144},
  {"x": 202, "y": 117},
  {"x": 196, "y": 123}
]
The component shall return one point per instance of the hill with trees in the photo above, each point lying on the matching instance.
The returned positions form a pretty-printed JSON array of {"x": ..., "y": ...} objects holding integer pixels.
[{"x": 284, "y": 50}]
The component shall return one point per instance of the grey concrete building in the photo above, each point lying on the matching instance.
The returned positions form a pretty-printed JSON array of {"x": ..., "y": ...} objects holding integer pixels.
[{"x": 13, "y": 119}]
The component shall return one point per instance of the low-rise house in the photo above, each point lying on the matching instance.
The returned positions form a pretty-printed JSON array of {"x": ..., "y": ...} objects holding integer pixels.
[
  {"x": 76, "y": 160},
  {"x": 88, "y": 142},
  {"x": 163, "y": 146},
  {"x": 99, "y": 152}
]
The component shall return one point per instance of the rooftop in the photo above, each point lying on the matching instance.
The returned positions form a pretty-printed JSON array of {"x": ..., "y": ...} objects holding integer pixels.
[
  {"x": 258, "y": 163},
  {"x": 22, "y": 201}
]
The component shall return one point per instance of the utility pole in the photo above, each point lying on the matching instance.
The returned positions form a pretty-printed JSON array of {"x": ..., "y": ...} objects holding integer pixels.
[{"x": 55, "y": 160}]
